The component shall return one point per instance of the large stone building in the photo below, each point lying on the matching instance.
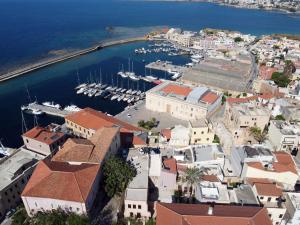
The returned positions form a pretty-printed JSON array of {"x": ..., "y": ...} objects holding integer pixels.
[
  {"x": 183, "y": 101},
  {"x": 45, "y": 141},
  {"x": 15, "y": 171},
  {"x": 87, "y": 121}
]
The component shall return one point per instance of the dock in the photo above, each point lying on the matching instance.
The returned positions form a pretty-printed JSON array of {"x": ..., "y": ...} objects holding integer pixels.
[
  {"x": 48, "y": 110},
  {"x": 164, "y": 66},
  {"x": 49, "y": 62}
]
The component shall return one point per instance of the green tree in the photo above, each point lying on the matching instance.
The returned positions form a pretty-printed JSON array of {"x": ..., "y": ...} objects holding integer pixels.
[
  {"x": 117, "y": 174},
  {"x": 216, "y": 139},
  {"x": 193, "y": 176},
  {"x": 280, "y": 79},
  {"x": 279, "y": 117},
  {"x": 238, "y": 39},
  {"x": 259, "y": 135},
  {"x": 20, "y": 217}
]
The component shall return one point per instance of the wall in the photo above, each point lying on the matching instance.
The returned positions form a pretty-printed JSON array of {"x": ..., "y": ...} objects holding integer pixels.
[{"x": 128, "y": 212}]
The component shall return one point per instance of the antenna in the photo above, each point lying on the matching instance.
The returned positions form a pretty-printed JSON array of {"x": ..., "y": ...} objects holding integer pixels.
[{"x": 28, "y": 95}]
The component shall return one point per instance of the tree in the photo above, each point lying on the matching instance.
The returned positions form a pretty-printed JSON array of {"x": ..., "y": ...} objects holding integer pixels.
[
  {"x": 20, "y": 217},
  {"x": 193, "y": 176},
  {"x": 216, "y": 139},
  {"x": 280, "y": 79},
  {"x": 279, "y": 117},
  {"x": 238, "y": 39},
  {"x": 259, "y": 136},
  {"x": 117, "y": 174}
]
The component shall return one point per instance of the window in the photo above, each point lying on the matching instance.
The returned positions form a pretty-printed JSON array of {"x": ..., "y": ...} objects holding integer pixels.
[
  {"x": 139, "y": 206},
  {"x": 129, "y": 206},
  {"x": 281, "y": 215},
  {"x": 131, "y": 214},
  {"x": 77, "y": 209},
  {"x": 207, "y": 139},
  {"x": 194, "y": 132},
  {"x": 202, "y": 132},
  {"x": 138, "y": 215},
  {"x": 27, "y": 140},
  {"x": 261, "y": 197},
  {"x": 134, "y": 206},
  {"x": 269, "y": 199},
  {"x": 5, "y": 193}
]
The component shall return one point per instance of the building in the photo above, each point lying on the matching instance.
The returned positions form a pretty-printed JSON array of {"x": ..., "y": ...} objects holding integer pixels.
[
  {"x": 44, "y": 141},
  {"x": 60, "y": 185},
  {"x": 239, "y": 116},
  {"x": 201, "y": 132},
  {"x": 15, "y": 171},
  {"x": 180, "y": 136},
  {"x": 203, "y": 214},
  {"x": 293, "y": 207},
  {"x": 283, "y": 135},
  {"x": 183, "y": 101},
  {"x": 104, "y": 143},
  {"x": 136, "y": 194},
  {"x": 282, "y": 170},
  {"x": 87, "y": 121}
]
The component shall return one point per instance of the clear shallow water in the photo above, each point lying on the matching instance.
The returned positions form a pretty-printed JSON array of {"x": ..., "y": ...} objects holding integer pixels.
[{"x": 31, "y": 29}]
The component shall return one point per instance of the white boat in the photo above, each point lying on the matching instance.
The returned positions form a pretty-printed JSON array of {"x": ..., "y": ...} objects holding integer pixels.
[
  {"x": 24, "y": 107},
  {"x": 72, "y": 108},
  {"x": 92, "y": 92},
  {"x": 122, "y": 74},
  {"x": 128, "y": 91},
  {"x": 134, "y": 92},
  {"x": 176, "y": 75},
  {"x": 37, "y": 112},
  {"x": 138, "y": 93},
  {"x": 92, "y": 84},
  {"x": 134, "y": 77},
  {"x": 146, "y": 79},
  {"x": 123, "y": 90},
  {"x": 108, "y": 88},
  {"x": 120, "y": 98},
  {"x": 113, "y": 88},
  {"x": 98, "y": 93},
  {"x": 119, "y": 89},
  {"x": 52, "y": 105},
  {"x": 197, "y": 56},
  {"x": 81, "y": 90},
  {"x": 125, "y": 99},
  {"x": 114, "y": 97},
  {"x": 103, "y": 86},
  {"x": 81, "y": 86},
  {"x": 195, "y": 60},
  {"x": 151, "y": 77}
]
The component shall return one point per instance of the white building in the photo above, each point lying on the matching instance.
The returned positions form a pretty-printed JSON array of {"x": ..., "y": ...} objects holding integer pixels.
[
  {"x": 136, "y": 194},
  {"x": 180, "y": 136},
  {"x": 15, "y": 171},
  {"x": 293, "y": 207},
  {"x": 183, "y": 101}
]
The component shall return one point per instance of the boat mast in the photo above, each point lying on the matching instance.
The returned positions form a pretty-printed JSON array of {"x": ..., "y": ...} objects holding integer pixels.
[{"x": 24, "y": 126}]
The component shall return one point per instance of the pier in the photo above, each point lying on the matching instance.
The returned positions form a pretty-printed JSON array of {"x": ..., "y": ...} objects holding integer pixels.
[
  {"x": 49, "y": 62},
  {"x": 48, "y": 110},
  {"x": 165, "y": 66}
]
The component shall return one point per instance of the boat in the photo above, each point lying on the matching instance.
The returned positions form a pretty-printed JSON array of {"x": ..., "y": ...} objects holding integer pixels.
[
  {"x": 98, "y": 93},
  {"x": 151, "y": 77},
  {"x": 92, "y": 84},
  {"x": 197, "y": 56},
  {"x": 120, "y": 98},
  {"x": 24, "y": 107},
  {"x": 146, "y": 79},
  {"x": 176, "y": 76},
  {"x": 92, "y": 92},
  {"x": 51, "y": 104},
  {"x": 81, "y": 86},
  {"x": 129, "y": 91},
  {"x": 114, "y": 97},
  {"x": 138, "y": 93},
  {"x": 103, "y": 86},
  {"x": 134, "y": 92},
  {"x": 123, "y": 90},
  {"x": 72, "y": 108},
  {"x": 195, "y": 60},
  {"x": 37, "y": 112},
  {"x": 134, "y": 77},
  {"x": 108, "y": 88},
  {"x": 81, "y": 90},
  {"x": 119, "y": 89},
  {"x": 113, "y": 88}
]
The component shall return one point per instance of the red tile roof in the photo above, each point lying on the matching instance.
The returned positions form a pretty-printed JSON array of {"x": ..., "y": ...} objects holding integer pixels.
[
  {"x": 92, "y": 119},
  {"x": 138, "y": 141},
  {"x": 210, "y": 97},
  {"x": 43, "y": 135},
  {"x": 176, "y": 89},
  {"x": 265, "y": 73},
  {"x": 210, "y": 178},
  {"x": 252, "y": 181},
  {"x": 170, "y": 164},
  {"x": 166, "y": 133},
  {"x": 284, "y": 163},
  {"x": 59, "y": 180},
  {"x": 88, "y": 151},
  {"x": 241, "y": 100},
  {"x": 268, "y": 189},
  {"x": 197, "y": 214}
]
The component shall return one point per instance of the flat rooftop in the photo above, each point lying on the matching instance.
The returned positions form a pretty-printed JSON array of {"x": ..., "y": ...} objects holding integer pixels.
[
  {"x": 245, "y": 109},
  {"x": 286, "y": 128},
  {"x": 12, "y": 166},
  {"x": 137, "y": 189}
]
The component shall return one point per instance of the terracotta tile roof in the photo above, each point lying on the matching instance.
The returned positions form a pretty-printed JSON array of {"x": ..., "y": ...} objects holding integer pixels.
[
  {"x": 284, "y": 163},
  {"x": 241, "y": 100},
  {"x": 170, "y": 164},
  {"x": 88, "y": 151},
  {"x": 166, "y": 133},
  {"x": 58, "y": 180},
  {"x": 176, "y": 89},
  {"x": 268, "y": 189},
  {"x": 43, "y": 135},
  {"x": 252, "y": 181},
  {"x": 210, "y": 178},
  {"x": 265, "y": 73},
  {"x": 92, "y": 119},
  {"x": 138, "y": 141},
  {"x": 210, "y": 97},
  {"x": 197, "y": 214},
  {"x": 266, "y": 96}
]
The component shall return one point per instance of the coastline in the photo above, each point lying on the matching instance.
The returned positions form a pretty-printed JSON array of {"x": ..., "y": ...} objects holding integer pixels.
[{"x": 48, "y": 62}]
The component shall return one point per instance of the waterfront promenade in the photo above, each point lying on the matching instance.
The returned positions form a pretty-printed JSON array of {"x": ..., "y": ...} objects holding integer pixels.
[{"x": 49, "y": 62}]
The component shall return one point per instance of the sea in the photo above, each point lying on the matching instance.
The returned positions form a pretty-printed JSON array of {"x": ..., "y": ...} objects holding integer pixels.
[{"x": 32, "y": 30}]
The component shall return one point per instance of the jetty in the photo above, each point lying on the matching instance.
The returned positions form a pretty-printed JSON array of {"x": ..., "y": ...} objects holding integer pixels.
[
  {"x": 49, "y": 62},
  {"x": 48, "y": 110},
  {"x": 166, "y": 66}
]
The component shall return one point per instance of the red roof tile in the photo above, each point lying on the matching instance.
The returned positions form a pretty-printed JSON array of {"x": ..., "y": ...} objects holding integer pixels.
[
  {"x": 166, "y": 133},
  {"x": 138, "y": 141},
  {"x": 197, "y": 214},
  {"x": 176, "y": 89},
  {"x": 43, "y": 135},
  {"x": 265, "y": 73},
  {"x": 92, "y": 119},
  {"x": 210, "y": 97},
  {"x": 170, "y": 164},
  {"x": 59, "y": 180},
  {"x": 210, "y": 178},
  {"x": 268, "y": 189}
]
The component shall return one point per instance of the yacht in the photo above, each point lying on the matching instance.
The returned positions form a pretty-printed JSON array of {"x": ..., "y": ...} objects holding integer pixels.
[
  {"x": 72, "y": 108},
  {"x": 51, "y": 104},
  {"x": 129, "y": 91},
  {"x": 81, "y": 90},
  {"x": 81, "y": 86},
  {"x": 120, "y": 98},
  {"x": 119, "y": 89},
  {"x": 151, "y": 77},
  {"x": 114, "y": 97},
  {"x": 134, "y": 92},
  {"x": 98, "y": 93},
  {"x": 37, "y": 112},
  {"x": 92, "y": 84},
  {"x": 123, "y": 90},
  {"x": 138, "y": 93},
  {"x": 176, "y": 75}
]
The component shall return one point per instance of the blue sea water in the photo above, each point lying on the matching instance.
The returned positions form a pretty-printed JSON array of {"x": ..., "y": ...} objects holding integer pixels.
[{"x": 30, "y": 29}]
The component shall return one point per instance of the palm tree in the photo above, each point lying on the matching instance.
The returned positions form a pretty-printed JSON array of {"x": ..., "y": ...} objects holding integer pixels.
[
  {"x": 259, "y": 136},
  {"x": 193, "y": 176}
]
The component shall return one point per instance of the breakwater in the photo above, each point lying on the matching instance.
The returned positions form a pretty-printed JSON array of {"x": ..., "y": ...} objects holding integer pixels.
[{"x": 49, "y": 62}]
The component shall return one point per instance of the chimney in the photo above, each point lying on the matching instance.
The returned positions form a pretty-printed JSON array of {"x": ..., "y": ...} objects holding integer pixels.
[{"x": 210, "y": 210}]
